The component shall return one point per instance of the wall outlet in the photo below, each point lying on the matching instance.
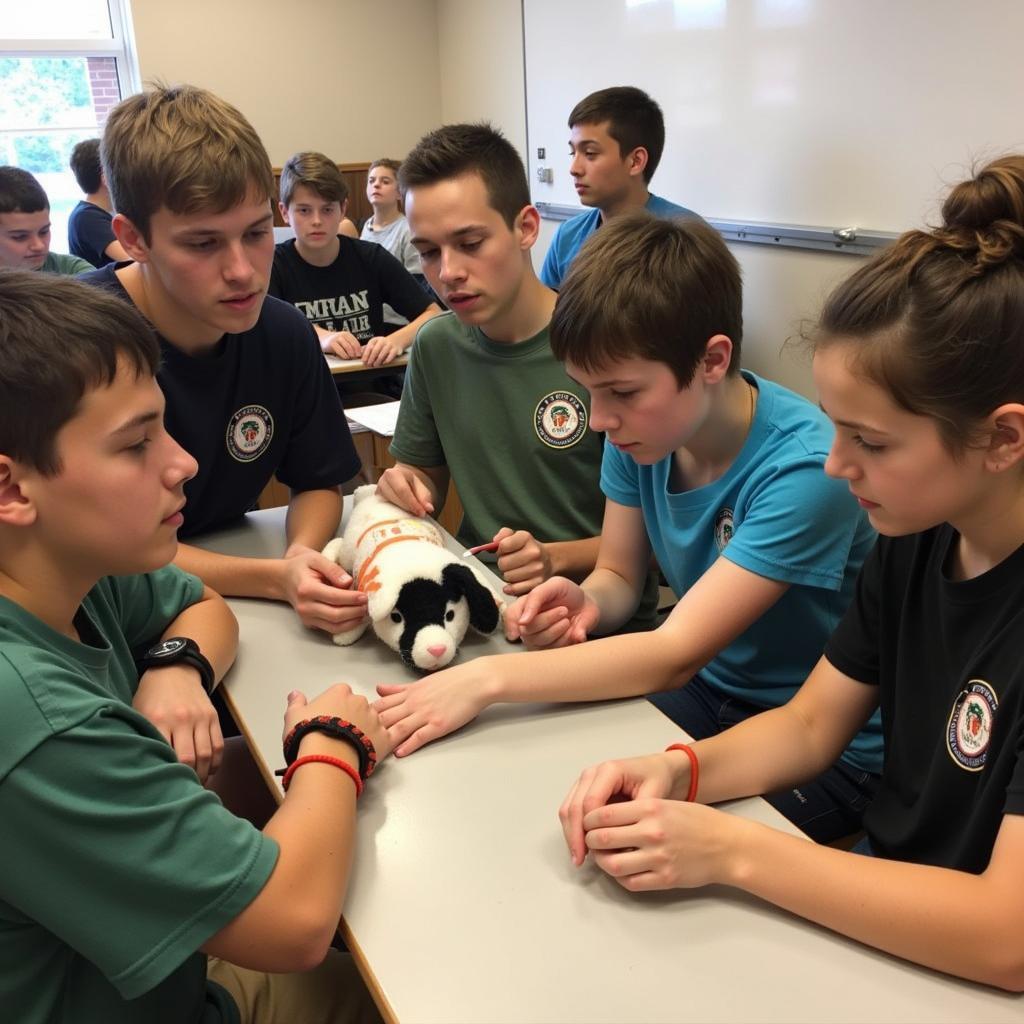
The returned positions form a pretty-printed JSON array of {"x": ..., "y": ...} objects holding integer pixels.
[{"x": 546, "y": 175}]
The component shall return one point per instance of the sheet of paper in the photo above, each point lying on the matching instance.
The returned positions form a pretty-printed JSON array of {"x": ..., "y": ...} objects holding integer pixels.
[{"x": 380, "y": 419}]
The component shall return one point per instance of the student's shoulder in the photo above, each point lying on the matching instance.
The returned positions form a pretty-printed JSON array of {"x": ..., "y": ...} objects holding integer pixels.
[
  {"x": 64, "y": 263},
  {"x": 439, "y": 334},
  {"x": 106, "y": 277},
  {"x": 282, "y": 326},
  {"x": 578, "y": 227},
  {"x": 798, "y": 427}
]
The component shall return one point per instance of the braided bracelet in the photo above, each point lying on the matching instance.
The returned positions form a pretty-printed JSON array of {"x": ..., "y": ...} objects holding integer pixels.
[{"x": 338, "y": 728}]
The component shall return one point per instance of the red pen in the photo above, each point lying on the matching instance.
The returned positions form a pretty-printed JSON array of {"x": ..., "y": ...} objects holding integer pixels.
[{"x": 492, "y": 546}]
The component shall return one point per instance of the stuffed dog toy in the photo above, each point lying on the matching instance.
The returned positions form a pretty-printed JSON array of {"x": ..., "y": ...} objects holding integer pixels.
[{"x": 421, "y": 598}]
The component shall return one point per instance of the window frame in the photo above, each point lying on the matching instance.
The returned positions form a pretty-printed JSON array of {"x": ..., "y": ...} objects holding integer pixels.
[{"x": 121, "y": 46}]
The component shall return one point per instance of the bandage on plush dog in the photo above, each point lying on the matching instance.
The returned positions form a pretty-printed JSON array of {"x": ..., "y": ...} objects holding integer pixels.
[{"x": 421, "y": 598}]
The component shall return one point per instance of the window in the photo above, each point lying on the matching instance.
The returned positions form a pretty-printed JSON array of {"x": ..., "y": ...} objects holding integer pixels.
[{"x": 63, "y": 65}]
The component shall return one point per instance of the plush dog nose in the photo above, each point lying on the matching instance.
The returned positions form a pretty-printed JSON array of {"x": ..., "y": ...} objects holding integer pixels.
[{"x": 436, "y": 650}]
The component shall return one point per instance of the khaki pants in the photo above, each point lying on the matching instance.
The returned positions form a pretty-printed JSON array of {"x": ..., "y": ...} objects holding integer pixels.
[{"x": 332, "y": 993}]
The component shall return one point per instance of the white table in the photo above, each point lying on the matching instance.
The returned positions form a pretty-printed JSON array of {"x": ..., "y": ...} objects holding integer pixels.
[{"x": 463, "y": 905}]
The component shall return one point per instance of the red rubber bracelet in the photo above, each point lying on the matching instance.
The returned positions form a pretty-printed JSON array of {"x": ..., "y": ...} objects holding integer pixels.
[
  {"x": 691, "y": 793},
  {"x": 323, "y": 759}
]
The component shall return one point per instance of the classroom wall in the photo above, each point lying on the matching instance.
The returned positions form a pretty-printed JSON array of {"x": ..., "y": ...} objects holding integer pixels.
[
  {"x": 481, "y": 64},
  {"x": 309, "y": 74}
]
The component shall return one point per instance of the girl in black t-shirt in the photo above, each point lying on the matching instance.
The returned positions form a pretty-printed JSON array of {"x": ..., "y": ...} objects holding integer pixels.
[{"x": 919, "y": 362}]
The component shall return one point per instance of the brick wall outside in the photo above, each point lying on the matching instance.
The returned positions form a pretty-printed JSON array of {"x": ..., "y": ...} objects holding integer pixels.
[{"x": 103, "y": 83}]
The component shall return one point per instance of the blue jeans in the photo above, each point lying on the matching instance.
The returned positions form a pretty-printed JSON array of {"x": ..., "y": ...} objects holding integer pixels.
[{"x": 826, "y": 808}]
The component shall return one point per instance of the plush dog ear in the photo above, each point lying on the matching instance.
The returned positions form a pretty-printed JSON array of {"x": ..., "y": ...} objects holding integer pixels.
[{"x": 483, "y": 607}]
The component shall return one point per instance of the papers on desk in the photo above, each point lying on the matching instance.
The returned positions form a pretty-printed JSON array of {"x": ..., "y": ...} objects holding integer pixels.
[{"x": 381, "y": 419}]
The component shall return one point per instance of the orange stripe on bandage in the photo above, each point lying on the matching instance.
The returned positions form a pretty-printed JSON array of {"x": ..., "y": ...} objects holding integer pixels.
[
  {"x": 365, "y": 578},
  {"x": 377, "y": 526}
]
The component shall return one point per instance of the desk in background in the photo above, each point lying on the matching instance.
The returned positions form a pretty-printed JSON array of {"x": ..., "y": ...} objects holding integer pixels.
[{"x": 463, "y": 906}]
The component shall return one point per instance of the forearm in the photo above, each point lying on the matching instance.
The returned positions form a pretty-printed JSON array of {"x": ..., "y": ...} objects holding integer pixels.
[
  {"x": 233, "y": 576},
  {"x": 313, "y": 517},
  {"x": 616, "y": 598},
  {"x": 910, "y": 910},
  {"x": 323, "y": 336},
  {"x": 292, "y": 921},
  {"x": 574, "y": 559},
  {"x": 602, "y": 669},
  {"x": 759, "y": 756},
  {"x": 211, "y": 624}
]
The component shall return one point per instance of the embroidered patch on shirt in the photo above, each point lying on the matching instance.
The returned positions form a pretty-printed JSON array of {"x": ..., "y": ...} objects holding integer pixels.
[
  {"x": 970, "y": 725},
  {"x": 560, "y": 419},
  {"x": 249, "y": 433},
  {"x": 724, "y": 528}
]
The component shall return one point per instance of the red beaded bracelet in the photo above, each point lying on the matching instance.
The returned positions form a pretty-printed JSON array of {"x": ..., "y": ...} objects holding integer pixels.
[
  {"x": 323, "y": 759},
  {"x": 691, "y": 793}
]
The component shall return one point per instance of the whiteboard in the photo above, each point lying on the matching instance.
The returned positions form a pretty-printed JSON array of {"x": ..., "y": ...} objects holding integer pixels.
[{"x": 829, "y": 113}]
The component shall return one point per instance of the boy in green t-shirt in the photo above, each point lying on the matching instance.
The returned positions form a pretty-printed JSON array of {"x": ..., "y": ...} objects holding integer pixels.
[
  {"x": 120, "y": 869},
  {"x": 485, "y": 402},
  {"x": 25, "y": 227}
]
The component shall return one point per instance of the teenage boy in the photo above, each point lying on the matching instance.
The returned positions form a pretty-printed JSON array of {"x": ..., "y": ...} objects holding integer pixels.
[
  {"x": 485, "y": 402},
  {"x": 720, "y": 473},
  {"x": 248, "y": 392},
  {"x": 616, "y": 140},
  {"x": 25, "y": 227},
  {"x": 120, "y": 870},
  {"x": 90, "y": 235},
  {"x": 341, "y": 284}
]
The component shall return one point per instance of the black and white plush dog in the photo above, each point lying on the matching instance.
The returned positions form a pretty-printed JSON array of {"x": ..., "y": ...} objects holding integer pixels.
[{"x": 421, "y": 598}]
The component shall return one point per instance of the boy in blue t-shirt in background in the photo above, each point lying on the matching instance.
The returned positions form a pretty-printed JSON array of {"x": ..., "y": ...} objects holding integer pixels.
[
  {"x": 617, "y": 137},
  {"x": 720, "y": 473}
]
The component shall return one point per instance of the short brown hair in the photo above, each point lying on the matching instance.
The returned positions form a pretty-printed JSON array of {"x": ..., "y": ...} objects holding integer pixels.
[
  {"x": 937, "y": 319},
  {"x": 647, "y": 288},
  {"x": 385, "y": 161},
  {"x": 634, "y": 119},
  {"x": 20, "y": 192},
  {"x": 457, "y": 149},
  {"x": 182, "y": 148},
  {"x": 85, "y": 165},
  {"x": 59, "y": 339},
  {"x": 315, "y": 171}
]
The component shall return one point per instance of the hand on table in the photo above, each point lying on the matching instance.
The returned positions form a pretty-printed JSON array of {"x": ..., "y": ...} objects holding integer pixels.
[
  {"x": 556, "y": 613},
  {"x": 636, "y": 778},
  {"x": 402, "y": 487},
  {"x": 338, "y": 700},
  {"x": 417, "y": 713},
  {"x": 661, "y": 844},
  {"x": 343, "y": 344},
  {"x": 173, "y": 699},
  {"x": 321, "y": 591},
  {"x": 381, "y": 350},
  {"x": 523, "y": 561}
]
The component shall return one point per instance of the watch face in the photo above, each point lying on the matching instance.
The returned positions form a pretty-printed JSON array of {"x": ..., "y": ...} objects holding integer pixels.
[{"x": 167, "y": 648}]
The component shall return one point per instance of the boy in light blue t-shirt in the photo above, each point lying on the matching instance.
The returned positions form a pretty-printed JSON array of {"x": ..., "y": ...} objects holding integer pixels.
[
  {"x": 617, "y": 136},
  {"x": 720, "y": 473}
]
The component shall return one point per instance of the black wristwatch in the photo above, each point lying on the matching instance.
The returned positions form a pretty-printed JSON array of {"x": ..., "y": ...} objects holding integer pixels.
[{"x": 177, "y": 650}]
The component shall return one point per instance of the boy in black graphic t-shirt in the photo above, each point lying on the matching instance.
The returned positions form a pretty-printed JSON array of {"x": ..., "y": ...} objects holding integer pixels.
[
  {"x": 341, "y": 284},
  {"x": 248, "y": 392}
]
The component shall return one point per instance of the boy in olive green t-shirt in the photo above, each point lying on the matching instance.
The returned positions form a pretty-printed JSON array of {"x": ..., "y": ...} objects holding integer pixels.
[
  {"x": 485, "y": 402},
  {"x": 129, "y": 892}
]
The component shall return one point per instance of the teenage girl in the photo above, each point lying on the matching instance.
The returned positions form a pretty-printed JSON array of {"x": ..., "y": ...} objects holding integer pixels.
[{"x": 919, "y": 362}]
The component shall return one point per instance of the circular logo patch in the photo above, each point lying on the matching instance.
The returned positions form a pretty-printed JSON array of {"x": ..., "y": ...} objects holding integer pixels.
[
  {"x": 970, "y": 725},
  {"x": 249, "y": 433},
  {"x": 724, "y": 528},
  {"x": 560, "y": 419}
]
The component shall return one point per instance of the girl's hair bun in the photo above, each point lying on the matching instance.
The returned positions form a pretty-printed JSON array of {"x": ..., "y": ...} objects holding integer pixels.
[{"x": 983, "y": 217}]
